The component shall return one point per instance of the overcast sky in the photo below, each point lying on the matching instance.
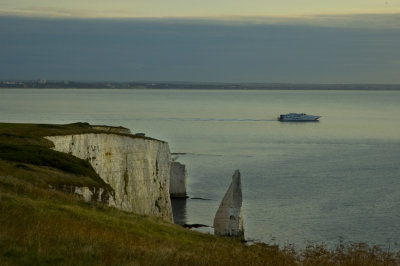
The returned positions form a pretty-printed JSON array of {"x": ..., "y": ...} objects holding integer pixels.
[
  {"x": 191, "y": 8},
  {"x": 206, "y": 41}
]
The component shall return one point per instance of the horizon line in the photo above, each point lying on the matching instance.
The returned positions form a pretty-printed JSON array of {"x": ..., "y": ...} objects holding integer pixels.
[
  {"x": 199, "y": 82},
  {"x": 371, "y": 20},
  {"x": 221, "y": 17}
]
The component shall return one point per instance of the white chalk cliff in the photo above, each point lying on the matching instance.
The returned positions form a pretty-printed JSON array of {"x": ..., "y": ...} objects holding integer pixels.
[
  {"x": 228, "y": 220},
  {"x": 137, "y": 169}
]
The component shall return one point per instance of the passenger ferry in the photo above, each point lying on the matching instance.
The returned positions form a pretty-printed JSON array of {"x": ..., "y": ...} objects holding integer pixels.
[{"x": 295, "y": 117}]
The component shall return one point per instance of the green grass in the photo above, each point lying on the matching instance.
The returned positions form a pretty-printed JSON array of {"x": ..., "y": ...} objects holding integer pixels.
[
  {"x": 40, "y": 225},
  {"x": 32, "y": 134},
  {"x": 42, "y": 156},
  {"x": 46, "y": 227},
  {"x": 25, "y": 144}
]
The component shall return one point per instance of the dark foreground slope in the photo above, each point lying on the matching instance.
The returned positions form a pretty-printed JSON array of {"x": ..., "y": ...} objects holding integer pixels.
[{"x": 40, "y": 225}]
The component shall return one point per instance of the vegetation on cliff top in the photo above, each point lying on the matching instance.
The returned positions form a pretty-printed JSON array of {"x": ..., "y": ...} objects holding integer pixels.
[
  {"x": 43, "y": 226},
  {"x": 25, "y": 143}
]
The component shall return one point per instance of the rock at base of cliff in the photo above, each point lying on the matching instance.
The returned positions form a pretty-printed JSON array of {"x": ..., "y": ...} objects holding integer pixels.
[
  {"x": 178, "y": 177},
  {"x": 228, "y": 220}
]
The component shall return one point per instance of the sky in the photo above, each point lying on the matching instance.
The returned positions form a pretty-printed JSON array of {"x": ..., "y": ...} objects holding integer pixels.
[
  {"x": 293, "y": 41},
  {"x": 194, "y": 8}
]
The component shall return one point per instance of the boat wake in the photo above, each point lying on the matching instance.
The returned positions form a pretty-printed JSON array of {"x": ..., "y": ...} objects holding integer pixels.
[{"x": 206, "y": 119}]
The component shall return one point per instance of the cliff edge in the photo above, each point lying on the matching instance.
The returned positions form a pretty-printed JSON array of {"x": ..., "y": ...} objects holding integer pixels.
[{"x": 136, "y": 168}]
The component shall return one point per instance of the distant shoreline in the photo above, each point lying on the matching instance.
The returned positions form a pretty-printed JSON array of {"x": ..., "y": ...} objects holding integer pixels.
[{"x": 43, "y": 84}]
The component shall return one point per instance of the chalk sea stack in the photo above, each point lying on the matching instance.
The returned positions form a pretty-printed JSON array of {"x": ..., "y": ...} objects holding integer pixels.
[
  {"x": 178, "y": 177},
  {"x": 228, "y": 220}
]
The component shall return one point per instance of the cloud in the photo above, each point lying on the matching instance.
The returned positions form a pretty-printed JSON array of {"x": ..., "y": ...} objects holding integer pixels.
[
  {"x": 43, "y": 12},
  {"x": 195, "y": 50},
  {"x": 388, "y": 21},
  {"x": 370, "y": 20}
]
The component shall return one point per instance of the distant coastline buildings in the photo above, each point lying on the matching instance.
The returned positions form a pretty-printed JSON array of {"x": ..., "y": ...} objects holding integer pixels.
[{"x": 65, "y": 84}]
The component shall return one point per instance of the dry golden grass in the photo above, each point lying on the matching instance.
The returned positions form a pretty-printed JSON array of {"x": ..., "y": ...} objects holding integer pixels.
[
  {"x": 40, "y": 226},
  {"x": 46, "y": 227}
]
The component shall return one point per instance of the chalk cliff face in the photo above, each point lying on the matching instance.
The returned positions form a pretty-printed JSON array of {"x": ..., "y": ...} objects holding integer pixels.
[{"x": 137, "y": 169}]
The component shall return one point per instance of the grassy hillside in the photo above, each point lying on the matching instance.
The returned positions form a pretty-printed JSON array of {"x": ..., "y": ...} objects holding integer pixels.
[
  {"x": 40, "y": 225},
  {"x": 24, "y": 143}
]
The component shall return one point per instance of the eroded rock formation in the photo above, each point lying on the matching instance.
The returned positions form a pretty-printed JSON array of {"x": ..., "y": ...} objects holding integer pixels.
[
  {"x": 228, "y": 220},
  {"x": 178, "y": 176},
  {"x": 137, "y": 169}
]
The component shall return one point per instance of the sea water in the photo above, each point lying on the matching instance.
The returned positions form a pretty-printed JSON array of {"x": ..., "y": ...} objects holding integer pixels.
[{"x": 302, "y": 182}]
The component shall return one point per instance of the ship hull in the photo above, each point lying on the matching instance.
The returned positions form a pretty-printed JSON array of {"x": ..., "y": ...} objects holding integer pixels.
[
  {"x": 293, "y": 117},
  {"x": 315, "y": 120}
]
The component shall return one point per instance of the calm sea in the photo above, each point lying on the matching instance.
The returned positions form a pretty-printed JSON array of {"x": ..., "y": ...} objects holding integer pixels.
[{"x": 302, "y": 182}]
